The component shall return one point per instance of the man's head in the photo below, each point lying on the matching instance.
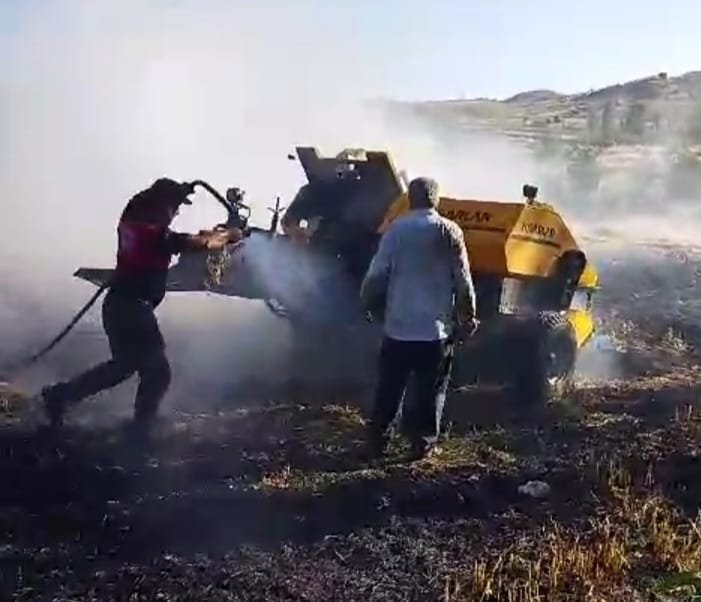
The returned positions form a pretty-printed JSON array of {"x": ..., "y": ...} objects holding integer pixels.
[
  {"x": 423, "y": 193},
  {"x": 161, "y": 201},
  {"x": 170, "y": 192}
]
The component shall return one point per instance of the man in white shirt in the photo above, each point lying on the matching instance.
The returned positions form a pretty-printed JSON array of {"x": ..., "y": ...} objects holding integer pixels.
[{"x": 419, "y": 281}]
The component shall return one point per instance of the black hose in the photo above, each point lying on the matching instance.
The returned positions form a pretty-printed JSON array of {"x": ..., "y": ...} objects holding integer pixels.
[
  {"x": 26, "y": 363},
  {"x": 213, "y": 191}
]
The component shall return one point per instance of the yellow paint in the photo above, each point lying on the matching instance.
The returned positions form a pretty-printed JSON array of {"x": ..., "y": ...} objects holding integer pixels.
[
  {"x": 589, "y": 277},
  {"x": 398, "y": 207},
  {"x": 583, "y": 324},
  {"x": 513, "y": 239}
]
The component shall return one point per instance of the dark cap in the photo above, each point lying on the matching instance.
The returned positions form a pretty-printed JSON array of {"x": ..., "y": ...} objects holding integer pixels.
[
  {"x": 170, "y": 190},
  {"x": 423, "y": 192}
]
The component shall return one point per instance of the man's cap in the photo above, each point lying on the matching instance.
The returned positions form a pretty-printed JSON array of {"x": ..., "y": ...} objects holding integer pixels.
[
  {"x": 168, "y": 189},
  {"x": 423, "y": 191}
]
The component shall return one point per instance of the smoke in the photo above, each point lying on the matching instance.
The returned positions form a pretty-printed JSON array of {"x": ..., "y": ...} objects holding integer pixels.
[
  {"x": 99, "y": 99},
  {"x": 631, "y": 204}
]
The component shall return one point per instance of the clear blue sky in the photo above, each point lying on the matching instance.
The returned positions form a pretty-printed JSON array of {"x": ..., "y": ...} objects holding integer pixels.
[{"x": 447, "y": 48}]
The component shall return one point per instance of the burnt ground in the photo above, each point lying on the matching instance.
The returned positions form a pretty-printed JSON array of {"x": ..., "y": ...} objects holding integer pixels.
[{"x": 273, "y": 500}]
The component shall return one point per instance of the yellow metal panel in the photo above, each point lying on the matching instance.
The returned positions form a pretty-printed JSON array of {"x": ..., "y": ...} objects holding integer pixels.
[
  {"x": 470, "y": 215},
  {"x": 540, "y": 224},
  {"x": 527, "y": 258},
  {"x": 399, "y": 207},
  {"x": 481, "y": 216},
  {"x": 583, "y": 323},
  {"x": 506, "y": 238},
  {"x": 589, "y": 278}
]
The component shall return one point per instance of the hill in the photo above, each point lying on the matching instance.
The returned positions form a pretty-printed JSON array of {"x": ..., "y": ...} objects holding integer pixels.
[{"x": 647, "y": 110}]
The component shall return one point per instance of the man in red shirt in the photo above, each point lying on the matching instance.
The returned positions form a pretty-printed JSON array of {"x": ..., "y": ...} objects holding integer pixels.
[{"x": 146, "y": 245}]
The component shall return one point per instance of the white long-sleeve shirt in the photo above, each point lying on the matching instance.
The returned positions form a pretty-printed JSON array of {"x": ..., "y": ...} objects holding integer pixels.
[{"x": 422, "y": 268}]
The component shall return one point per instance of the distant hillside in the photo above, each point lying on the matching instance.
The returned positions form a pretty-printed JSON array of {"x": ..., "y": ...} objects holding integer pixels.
[
  {"x": 657, "y": 87},
  {"x": 534, "y": 96},
  {"x": 644, "y": 111}
]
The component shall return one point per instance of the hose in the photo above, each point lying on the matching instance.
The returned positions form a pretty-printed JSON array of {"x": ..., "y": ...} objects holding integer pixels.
[{"x": 27, "y": 362}]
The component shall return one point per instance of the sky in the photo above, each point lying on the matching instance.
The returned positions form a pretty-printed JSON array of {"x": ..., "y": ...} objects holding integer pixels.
[
  {"x": 417, "y": 49},
  {"x": 97, "y": 93}
]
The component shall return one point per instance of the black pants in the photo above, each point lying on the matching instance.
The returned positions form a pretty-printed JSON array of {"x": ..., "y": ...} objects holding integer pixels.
[
  {"x": 137, "y": 346},
  {"x": 430, "y": 362}
]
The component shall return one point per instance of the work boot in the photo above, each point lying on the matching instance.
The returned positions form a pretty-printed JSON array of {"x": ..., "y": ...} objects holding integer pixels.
[
  {"x": 139, "y": 432},
  {"x": 423, "y": 450},
  {"x": 134, "y": 445},
  {"x": 376, "y": 444},
  {"x": 54, "y": 400}
]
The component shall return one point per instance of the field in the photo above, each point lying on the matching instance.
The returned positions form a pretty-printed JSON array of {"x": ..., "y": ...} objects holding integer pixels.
[
  {"x": 264, "y": 494},
  {"x": 271, "y": 499}
]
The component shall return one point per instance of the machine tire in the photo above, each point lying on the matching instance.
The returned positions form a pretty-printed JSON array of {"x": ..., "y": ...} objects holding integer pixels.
[{"x": 547, "y": 359}]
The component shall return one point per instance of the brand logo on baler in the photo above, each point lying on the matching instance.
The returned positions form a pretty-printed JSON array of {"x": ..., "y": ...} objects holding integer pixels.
[
  {"x": 468, "y": 218},
  {"x": 538, "y": 230}
]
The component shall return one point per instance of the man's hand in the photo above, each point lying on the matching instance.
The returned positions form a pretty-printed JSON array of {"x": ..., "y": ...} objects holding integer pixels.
[
  {"x": 217, "y": 240},
  {"x": 233, "y": 234},
  {"x": 213, "y": 240},
  {"x": 466, "y": 330}
]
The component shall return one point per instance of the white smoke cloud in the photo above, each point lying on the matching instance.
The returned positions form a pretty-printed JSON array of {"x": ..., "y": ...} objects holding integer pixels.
[
  {"x": 98, "y": 99},
  {"x": 101, "y": 98}
]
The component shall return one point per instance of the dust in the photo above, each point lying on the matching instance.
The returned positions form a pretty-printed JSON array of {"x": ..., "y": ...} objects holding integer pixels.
[
  {"x": 99, "y": 100},
  {"x": 632, "y": 207}
]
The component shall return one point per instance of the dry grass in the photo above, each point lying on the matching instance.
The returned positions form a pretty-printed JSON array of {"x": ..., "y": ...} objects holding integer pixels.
[
  {"x": 557, "y": 563},
  {"x": 12, "y": 400},
  {"x": 287, "y": 477},
  {"x": 604, "y": 529},
  {"x": 338, "y": 432},
  {"x": 639, "y": 533}
]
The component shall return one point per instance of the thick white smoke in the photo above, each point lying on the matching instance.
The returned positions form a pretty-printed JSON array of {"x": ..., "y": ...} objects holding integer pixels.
[
  {"x": 101, "y": 98},
  {"x": 98, "y": 99}
]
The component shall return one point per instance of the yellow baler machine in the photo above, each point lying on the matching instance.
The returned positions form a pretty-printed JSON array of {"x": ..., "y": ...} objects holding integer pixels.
[
  {"x": 517, "y": 241},
  {"x": 534, "y": 284},
  {"x": 520, "y": 241}
]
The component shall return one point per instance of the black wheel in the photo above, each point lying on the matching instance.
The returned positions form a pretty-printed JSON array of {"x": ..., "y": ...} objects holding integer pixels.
[{"x": 548, "y": 354}]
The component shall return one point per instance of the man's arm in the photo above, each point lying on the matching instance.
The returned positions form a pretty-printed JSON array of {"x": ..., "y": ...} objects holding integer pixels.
[
  {"x": 373, "y": 290},
  {"x": 465, "y": 299}
]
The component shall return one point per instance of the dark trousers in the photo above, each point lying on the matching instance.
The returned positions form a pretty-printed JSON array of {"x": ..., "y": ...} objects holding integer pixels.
[
  {"x": 430, "y": 362},
  {"x": 137, "y": 346}
]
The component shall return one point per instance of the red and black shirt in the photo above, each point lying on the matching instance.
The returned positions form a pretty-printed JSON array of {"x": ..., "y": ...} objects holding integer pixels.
[{"x": 144, "y": 250}]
